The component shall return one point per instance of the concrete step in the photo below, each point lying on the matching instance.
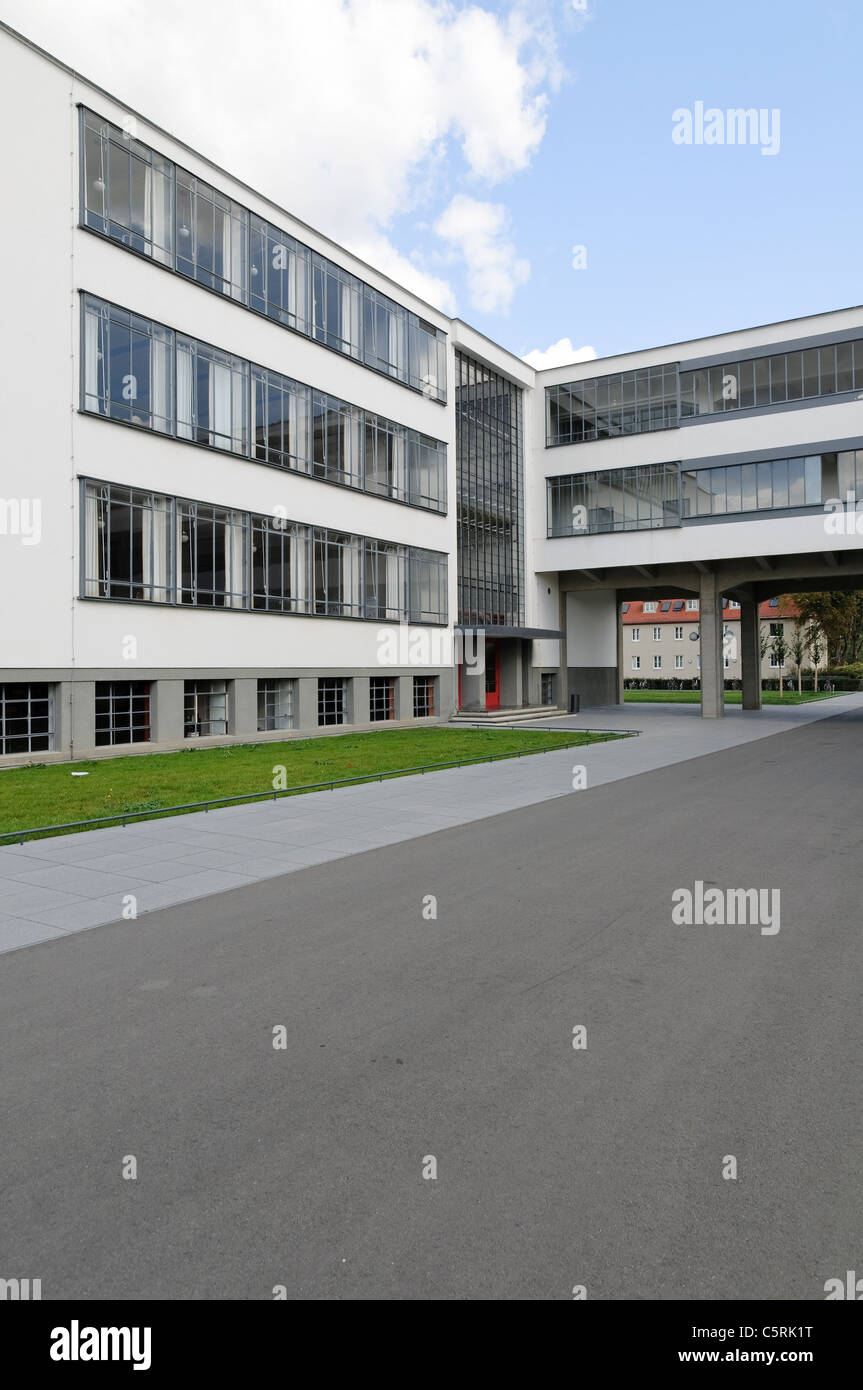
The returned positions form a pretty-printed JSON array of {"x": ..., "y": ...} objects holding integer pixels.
[{"x": 507, "y": 716}]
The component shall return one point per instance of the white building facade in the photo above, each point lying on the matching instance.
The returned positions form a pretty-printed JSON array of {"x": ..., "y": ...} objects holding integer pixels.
[{"x": 254, "y": 490}]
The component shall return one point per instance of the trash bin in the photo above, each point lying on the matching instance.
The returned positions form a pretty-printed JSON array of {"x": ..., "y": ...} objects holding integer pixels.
[{"x": 574, "y": 703}]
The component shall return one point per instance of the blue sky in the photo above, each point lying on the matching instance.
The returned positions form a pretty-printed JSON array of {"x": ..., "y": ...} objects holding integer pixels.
[
  {"x": 465, "y": 148},
  {"x": 684, "y": 241}
]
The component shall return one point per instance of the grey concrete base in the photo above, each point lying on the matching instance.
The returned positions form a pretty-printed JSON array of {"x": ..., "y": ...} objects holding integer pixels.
[
  {"x": 72, "y": 882},
  {"x": 597, "y": 685}
]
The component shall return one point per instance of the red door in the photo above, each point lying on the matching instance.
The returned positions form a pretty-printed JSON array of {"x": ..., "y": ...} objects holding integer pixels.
[{"x": 492, "y": 676}]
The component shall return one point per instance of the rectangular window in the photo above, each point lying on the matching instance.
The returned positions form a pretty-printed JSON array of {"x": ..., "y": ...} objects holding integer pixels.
[
  {"x": 280, "y": 271},
  {"x": 281, "y": 420},
  {"x": 128, "y": 189},
  {"x": 636, "y": 663},
  {"x": 426, "y": 471},
  {"x": 385, "y": 335},
  {"x": 657, "y": 634},
  {"x": 205, "y": 708},
  {"x": 336, "y": 440},
  {"x": 126, "y": 544},
  {"x": 337, "y": 560},
  {"x": 649, "y": 607},
  {"x": 678, "y": 633},
  {"x": 128, "y": 366},
  {"x": 384, "y": 581},
  {"x": 678, "y": 663},
  {"x": 382, "y": 698},
  {"x": 332, "y": 700},
  {"x": 122, "y": 712},
  {"x": 26, "y": 717},
  {"x": 211, "y": 555},
  {"x": 427, "y": 586},
  {"x": 335, "y": 307},
  {"x": 636, "y": 634},
  {"x": 777, "y": 629},
  {"x": 211, "y": 237},
  {"x": 212, "y": 396},
  {"x": 632, "y": 402},
  {"x": 546, "y": 688},
  {"x": 276, "y": 700},
  {"x": 692, "y": 605},
  {"x": 657, "y": 663},
  {"x": 280, "y": 551},
  {"x": 424, "y": 700},
  {"x": 641, "y": 498},
  {"x": 386, "y": 463},
  {"x": 426, "y": 358}
]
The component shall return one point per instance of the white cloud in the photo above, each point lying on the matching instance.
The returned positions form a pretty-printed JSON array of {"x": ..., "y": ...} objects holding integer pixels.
[
  {"x": 560, "y": 354},
  {"x": 479, "y": 233},
  {"x": 347, "y": 112}
]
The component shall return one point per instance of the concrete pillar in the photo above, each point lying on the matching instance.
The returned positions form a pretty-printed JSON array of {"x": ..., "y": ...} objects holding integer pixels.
[
  {"x": 750, "y": 653},
  {"x": 243, "y": 707},
  {"x": 563, "y": 677},
  {"x": 712, "y": 670},
  {"x": 166, "y": 711},
  {"x": 358, "y": 709},
  {"x": 307, "y": 702},
  {"x": 619, "y": 620},
  {"x": 404, "y": 697}
]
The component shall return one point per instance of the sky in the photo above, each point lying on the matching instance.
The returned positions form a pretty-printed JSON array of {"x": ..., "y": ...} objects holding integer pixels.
[{"x": 536, "y": 167}]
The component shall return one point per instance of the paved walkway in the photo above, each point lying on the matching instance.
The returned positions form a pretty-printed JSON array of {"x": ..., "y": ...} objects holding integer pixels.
[{"x": 50, "y": 888}]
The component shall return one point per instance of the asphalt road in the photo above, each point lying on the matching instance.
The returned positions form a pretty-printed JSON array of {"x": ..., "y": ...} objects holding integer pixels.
[{"x": 408, "y": 1038}]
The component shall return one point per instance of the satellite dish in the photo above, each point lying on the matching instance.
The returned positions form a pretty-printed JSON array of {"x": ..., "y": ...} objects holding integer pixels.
[{"x": 693, "y": 636}]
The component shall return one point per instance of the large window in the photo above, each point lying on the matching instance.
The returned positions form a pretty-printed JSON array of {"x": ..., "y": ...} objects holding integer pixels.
[
  {"x": 336, "y": 318},
  {"x": 152, "y": 206},
  {"x": 26, "y": 717},
  {"x": 122, "y": 712},
  {"x": 785, "y": 376},
  {"x": 424, "y": 701},
  {"x": 336, "y": 569},
  {"x": 427, "y": 586},
  {"x": 607, "y": 406},
  {"x": 142, "y": 373},
  {"x": 126, "y": 544},
  {"x": 385, "y": 581},
  {"x": 771, "y": 485},
  {"x": 385, "y": 335},
  {"x": 144, "y": 546},
  {"x": 382, "y": 698},
  {"x": 332, "y": 700},
  {"x": 279, "y": 275},
  {"x": 211, "y": 556},
  {"x": 212, "y": 396},
  {"x": 276, "y": 702},
  {"x": 212, "y": 233},
  {"x": 128, "y": 190},
  {"x": 617, "y": 499},
  {"x": 281, "y": 414},
  {"x": 205, "y": 708},
  {"x": 490, "y": 455},
  {"x": 279, "y": 565},
  {"x": 336, "y": 440},
  {"x": 128, "y": 367}
]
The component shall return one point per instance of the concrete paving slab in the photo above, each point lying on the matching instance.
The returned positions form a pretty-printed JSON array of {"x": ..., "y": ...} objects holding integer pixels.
[{"x": 182, "y": 858}]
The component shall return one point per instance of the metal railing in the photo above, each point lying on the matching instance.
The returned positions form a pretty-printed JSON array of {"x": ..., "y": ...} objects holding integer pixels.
[{"x": 156, "y": 812}]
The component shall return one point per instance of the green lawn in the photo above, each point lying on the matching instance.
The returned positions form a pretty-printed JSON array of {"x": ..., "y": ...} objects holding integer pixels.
[
  {"x": 49, "y": 794},
  {"x": 732, "y": 697}
]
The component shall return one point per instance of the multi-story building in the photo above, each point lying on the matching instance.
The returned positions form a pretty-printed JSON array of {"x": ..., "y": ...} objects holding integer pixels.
[
  {"x": 662, "y": 640},
  {"x": 270, "y": 489}
]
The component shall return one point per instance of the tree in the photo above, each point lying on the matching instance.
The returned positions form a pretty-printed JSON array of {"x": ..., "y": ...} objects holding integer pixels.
[
  {"x": 839, "y": 617},
  {"x": 797, "y": 648},
  {"x": 779, "y": 651},
  {"x": 763, "y": 639},
  {"x": 814, "y": 640}
]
